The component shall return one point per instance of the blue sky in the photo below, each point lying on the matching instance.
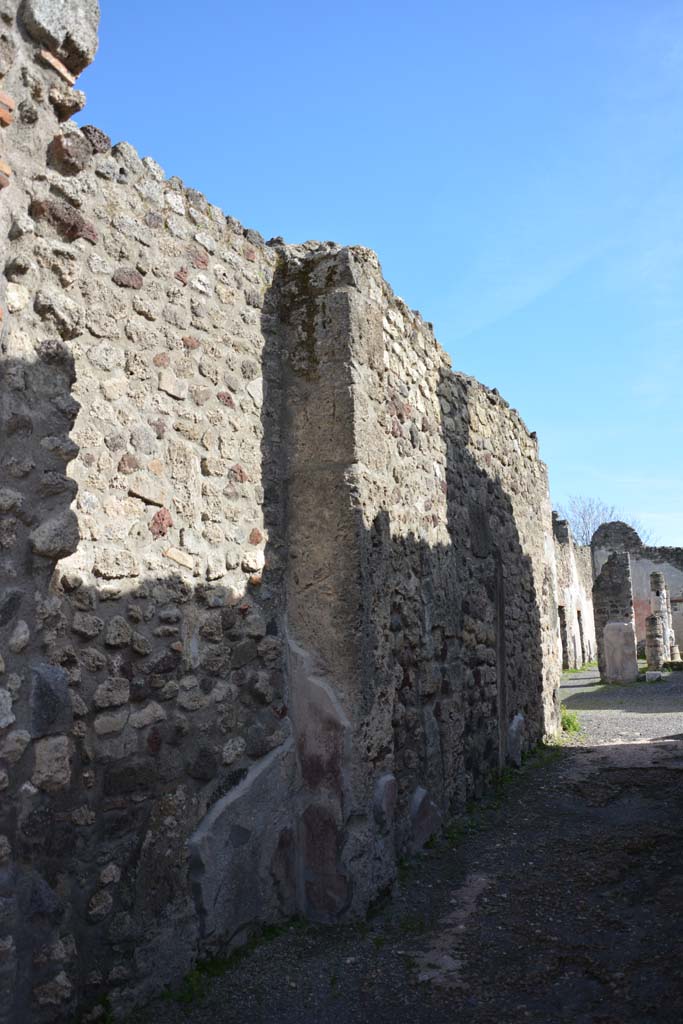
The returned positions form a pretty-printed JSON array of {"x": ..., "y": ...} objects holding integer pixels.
[{"x": 518, "y": 167}]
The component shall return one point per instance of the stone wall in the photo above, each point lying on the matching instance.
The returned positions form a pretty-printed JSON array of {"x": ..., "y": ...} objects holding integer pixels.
[
  {"x": 645, "y": 560},
  {"x": 613, "y": 607},
  {"x": 575, "y": 596},
  {"x": 279, "y": 589}
]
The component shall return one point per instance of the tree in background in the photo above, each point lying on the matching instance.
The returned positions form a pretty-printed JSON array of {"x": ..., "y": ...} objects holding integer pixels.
[{"x": 585, "y": 515}]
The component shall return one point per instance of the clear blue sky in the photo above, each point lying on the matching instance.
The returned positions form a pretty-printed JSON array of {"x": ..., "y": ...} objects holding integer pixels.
[{"x": 518, "y": 167}]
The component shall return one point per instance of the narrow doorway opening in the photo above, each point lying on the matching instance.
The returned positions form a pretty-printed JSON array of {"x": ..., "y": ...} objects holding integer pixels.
[{"x": 563, "y": 637}]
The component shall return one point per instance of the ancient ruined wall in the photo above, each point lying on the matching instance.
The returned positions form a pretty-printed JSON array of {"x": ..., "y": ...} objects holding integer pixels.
[
  {"x": 458, "y": 561},
  {"x": 575, "y": 586},
  {"x": 145, "y": 683},
  {"x": 278, "y": 587},
  {"x": 614, "y": 618},
  {"x": 644, "y": 561}
]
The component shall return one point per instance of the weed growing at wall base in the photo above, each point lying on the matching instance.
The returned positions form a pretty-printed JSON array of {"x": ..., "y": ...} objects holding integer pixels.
[{"x": 569, "y": 720}]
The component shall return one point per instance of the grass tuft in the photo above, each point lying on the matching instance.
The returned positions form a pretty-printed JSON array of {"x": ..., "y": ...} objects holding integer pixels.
[{"x": 569, "y": 720}]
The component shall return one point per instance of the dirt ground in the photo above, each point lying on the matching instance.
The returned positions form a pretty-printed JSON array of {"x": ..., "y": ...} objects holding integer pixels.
[{"x": 559, "y": 900}]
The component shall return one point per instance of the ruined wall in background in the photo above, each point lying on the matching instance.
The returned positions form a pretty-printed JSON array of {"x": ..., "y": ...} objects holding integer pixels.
[
  {"x": 458, "y": 561},
  {"x": 644, "y": 561},
  {"x": 613, "y": 607},
  {"x": 575, "y": 597},
  {"x": 278, "y": 589}
]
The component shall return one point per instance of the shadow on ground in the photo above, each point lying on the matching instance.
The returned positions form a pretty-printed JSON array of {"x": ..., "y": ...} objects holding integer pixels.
[
  {"x": 588, "y": 694},
  {"x": 556, "y": 902}
]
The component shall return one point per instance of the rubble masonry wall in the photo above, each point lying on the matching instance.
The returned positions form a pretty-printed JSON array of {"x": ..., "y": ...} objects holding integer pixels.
[{"x": 278, "y": 588}]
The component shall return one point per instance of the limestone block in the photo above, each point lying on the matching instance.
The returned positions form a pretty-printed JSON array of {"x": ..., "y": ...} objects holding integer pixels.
[
  {"x": 118, "y": 632},
  {"x": 13, "y": 745},
  {"x": 114, "y": 563},
  {"x": 86, "y": 625},
  {"x": 20, "y": 637},
  {"x": 6, "y": 715},
  {"x": 112, "y": 693},
  {"x": 233, "y": 750},
  {"x": 149, "y": 488},
  {"x": 112, "y": 722},
  {"x": 52, "y": 769},
  {"x": 148, "y": 715},
  {"x": 66, "y": 101},
  {"x": 179, "y": 557},
  {"x": 169, "y": 383},
  {"x": 69, "y": 27},
  {"x": 59, "y": 311},
  {"x": 621, "y": 660},
  {"x": 16, "y": 296},
  {"x": 54, "y": 992}
]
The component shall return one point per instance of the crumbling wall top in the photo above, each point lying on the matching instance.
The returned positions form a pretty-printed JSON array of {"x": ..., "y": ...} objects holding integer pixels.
[
  {"x": 66, "y": 27},
  {"x": 616, "y": 536}
]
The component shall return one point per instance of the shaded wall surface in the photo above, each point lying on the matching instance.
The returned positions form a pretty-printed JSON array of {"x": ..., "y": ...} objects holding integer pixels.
[
  {"x": 575, "y": 597},
  {"x": 278, "y": 588}
]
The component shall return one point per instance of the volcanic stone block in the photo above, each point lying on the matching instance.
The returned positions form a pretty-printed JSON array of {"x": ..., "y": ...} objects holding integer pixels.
[{"x": 51, "y": 710}]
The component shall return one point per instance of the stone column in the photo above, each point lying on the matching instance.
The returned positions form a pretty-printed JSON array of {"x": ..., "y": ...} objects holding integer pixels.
[
  {"x": 660, "y": 603},
  {"x": 654, "y": 643}
]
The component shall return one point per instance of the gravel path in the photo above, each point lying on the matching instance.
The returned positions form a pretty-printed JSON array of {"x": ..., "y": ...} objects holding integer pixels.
[
  {"x": 559, "y": 901},
  {"x": 633, "y": 713}
]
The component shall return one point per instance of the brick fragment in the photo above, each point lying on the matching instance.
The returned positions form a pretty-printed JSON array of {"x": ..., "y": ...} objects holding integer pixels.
[
  {"x": 4, "y": 181},
  {"x": 179, "y": 557},
  {"x": 6, "y": 101},
  {"x": 5, "y": 169},
  {"x": 55, "y": 63},
  {"x": 5, "y": 117},
  {"x": 190, "y": 342},
  {"x": 226, "y": 398},
  {"x": 182, "y": 275}
]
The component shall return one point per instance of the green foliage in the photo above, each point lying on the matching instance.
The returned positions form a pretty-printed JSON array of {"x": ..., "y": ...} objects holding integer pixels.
[
  {"x": 569, "y": 720},
  {"x": 578, "y": 671}
]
